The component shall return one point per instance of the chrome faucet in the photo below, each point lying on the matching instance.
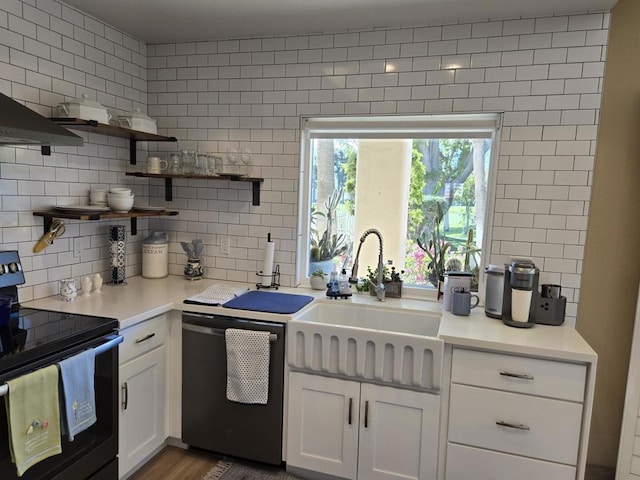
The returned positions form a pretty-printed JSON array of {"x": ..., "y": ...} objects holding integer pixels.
[{"x": 379, "y": 285}]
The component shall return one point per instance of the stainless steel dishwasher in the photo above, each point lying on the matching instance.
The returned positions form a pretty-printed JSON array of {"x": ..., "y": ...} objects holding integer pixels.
[{"x": 209, "y": 420}]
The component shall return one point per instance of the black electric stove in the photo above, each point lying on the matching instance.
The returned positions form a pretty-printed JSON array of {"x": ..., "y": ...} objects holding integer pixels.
[
  {"x": 31, "y": 334},
  {"x": 31, "y": 339}
]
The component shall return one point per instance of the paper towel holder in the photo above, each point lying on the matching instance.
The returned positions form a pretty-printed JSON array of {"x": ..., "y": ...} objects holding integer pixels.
[{"x": 274, "y": 276}]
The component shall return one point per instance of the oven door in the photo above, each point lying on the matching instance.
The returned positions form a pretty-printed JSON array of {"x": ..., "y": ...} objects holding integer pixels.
[{"x": 93, "y": 452}]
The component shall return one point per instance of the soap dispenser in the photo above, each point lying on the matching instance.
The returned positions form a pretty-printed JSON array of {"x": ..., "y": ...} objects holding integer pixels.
[
  {"x": 344, "y": 287},
  {"x": 334, "y": 288}
]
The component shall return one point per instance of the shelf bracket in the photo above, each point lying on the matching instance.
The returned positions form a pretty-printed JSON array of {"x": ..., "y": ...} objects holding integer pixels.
[
  {"x": 256, "y": 193},
  {"x": 133, "y": 143},
  {"x": 168, "y": 189},
  {"x": 132, "y": 151},
  {"x": 134, "y": 225},
  {"x": 47, "y": 223}
]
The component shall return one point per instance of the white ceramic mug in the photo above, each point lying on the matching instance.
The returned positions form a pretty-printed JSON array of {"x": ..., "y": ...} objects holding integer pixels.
[{"x": 155, "y": 165}]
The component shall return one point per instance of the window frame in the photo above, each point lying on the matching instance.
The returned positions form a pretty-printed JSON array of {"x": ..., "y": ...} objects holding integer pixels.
[{"x": 463, "y": 125}]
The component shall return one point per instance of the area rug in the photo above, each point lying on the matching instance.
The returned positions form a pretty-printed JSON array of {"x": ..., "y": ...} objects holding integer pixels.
[{"x": 233, "y": 470}]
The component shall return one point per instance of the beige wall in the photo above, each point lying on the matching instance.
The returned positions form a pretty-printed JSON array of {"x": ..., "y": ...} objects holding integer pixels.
[
  {"x": 612, "y": 257},
  {"x": 383, "y": 165}
]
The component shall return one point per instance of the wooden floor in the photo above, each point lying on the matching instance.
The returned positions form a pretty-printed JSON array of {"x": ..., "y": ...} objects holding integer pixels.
[
  {"x": 177, "y": 464},
  {"x": 174, "y": 463}
]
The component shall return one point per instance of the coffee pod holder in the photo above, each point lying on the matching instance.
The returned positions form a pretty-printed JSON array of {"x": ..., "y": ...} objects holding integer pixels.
[{"x": 550, "y": 311}]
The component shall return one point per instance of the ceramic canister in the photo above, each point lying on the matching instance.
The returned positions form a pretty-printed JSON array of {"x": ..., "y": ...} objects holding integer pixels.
[{"x": 155, "y": 255}]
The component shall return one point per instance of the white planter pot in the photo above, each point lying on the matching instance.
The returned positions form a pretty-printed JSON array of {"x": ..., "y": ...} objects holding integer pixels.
[{"x": 318, "y": 283}]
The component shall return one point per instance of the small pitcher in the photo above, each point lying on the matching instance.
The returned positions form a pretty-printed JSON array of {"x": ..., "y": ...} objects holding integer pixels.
[{"x": 68, "y": 289}]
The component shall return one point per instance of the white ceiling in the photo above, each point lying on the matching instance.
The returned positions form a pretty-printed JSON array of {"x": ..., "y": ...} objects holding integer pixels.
[{"x": 162, "y": 21}]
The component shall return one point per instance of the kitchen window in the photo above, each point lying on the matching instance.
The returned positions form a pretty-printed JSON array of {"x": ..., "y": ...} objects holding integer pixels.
[{"x": 397, "y": 174}]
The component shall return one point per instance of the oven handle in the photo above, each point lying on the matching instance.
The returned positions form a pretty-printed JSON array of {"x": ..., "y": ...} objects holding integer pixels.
[
  {"x": 217, "y": 331},
  {"x": 4, "y": 389}
]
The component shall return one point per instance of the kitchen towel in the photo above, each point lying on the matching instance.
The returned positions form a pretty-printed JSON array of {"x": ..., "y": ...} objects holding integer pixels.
[
  {"x": 79, "y": 398},
  {"x": 270, "y": 302},
  {"x": 247, "y": 365},
  {"x": 215, "y": 295},
  {"x": 33, "y": 417}
]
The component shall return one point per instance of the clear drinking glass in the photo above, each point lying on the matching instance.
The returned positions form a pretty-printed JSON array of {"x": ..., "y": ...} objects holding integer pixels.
[
  {"x": 188, "y": 161},
  {"x": 245, "y": 161},
  {"x": 214, "y": 164},
  {"x": 201, "y": 164},
  {"x": 174, "y": 163}
]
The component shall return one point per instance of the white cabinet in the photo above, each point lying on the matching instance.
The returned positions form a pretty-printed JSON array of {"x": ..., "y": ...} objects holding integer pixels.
[
  {"x": 142, "y": 393},
  {"x": 512, "y": 416},
  {"x": 361, "y": 431}
]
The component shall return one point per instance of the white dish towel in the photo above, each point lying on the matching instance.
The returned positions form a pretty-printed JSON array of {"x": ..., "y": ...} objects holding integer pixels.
[{"x": 247, "y": 365}]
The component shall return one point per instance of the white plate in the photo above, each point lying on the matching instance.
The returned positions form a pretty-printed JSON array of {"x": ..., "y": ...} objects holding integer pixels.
[
  {"x": 82, "y": 208},
  {"x": 149, "y": 209}
]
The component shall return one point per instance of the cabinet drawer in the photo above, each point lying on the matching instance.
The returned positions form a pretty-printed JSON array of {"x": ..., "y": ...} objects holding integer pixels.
[
  {"x": 142, "y": 338},
  {"x": 546, "y": 378},
  {"x": 464, "y": 463},
  {"x": 549, "y": 429}
]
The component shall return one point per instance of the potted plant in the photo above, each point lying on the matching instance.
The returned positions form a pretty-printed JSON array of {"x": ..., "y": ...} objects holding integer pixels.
[
  {"x": 435, "y": 245},
  {"x": 391, "y": 278},
  {"x": 328, "y": 245},
  {"x": 318, "y": 280}
]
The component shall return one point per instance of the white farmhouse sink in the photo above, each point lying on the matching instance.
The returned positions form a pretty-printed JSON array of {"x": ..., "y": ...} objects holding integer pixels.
[
  {"x": 370, "y": 317},
  {"x": 375, "y": 343}
]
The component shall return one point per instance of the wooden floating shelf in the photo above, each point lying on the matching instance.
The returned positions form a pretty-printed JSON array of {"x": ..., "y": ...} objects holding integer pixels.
[
  {"x": 49, "y": 215},
  {"x": 134, "y": 136},
  {"x": 168, "y": 181}
]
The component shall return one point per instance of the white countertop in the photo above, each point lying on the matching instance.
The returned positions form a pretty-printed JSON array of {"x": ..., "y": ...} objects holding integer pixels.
[
  {"x": 479, "y": 331},
  {"x": 141, "y": 299}
]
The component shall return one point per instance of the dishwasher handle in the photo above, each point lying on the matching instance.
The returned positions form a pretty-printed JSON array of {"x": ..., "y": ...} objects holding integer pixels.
[{"x": 216, "y": 331}]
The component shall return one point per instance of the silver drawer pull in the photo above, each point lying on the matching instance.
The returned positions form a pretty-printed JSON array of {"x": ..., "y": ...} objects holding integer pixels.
[
  {"x": 145, "y": 338},
  {"x": 523, "y": 376},
  {"x": 517, "y": 426}
]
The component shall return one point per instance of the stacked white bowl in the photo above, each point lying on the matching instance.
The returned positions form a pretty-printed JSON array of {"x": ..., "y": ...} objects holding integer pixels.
[
  {"x": 120, "y": 199},
  {"x": 98, "y": 198}
]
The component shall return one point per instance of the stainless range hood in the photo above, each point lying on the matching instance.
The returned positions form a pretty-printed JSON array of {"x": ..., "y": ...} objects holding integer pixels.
[{"x": 20, "y": 125}]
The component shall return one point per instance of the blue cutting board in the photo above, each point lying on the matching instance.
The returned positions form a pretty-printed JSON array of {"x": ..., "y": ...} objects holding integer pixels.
[{"x": 270, "y": 302}]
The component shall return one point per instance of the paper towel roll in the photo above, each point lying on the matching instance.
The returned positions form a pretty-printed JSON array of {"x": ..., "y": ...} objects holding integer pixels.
[{"x": 267, "y": 265}]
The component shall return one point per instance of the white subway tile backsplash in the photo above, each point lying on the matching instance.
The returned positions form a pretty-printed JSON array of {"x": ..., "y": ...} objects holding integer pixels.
[
  {"x": 424, "y": 34},
  {"x": 502, "y": 44},
  {"x": 251, "y": 92}
]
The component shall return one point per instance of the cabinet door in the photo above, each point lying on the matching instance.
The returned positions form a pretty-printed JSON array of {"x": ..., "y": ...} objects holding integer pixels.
[
  {"x": 323, "y": 424},
  {"x": 142, "y": 383},
  {"x": 398, "y": 434}
]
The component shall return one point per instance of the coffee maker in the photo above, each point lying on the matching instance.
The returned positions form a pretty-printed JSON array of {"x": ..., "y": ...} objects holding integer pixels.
[{"x": 520, "y": 293}]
